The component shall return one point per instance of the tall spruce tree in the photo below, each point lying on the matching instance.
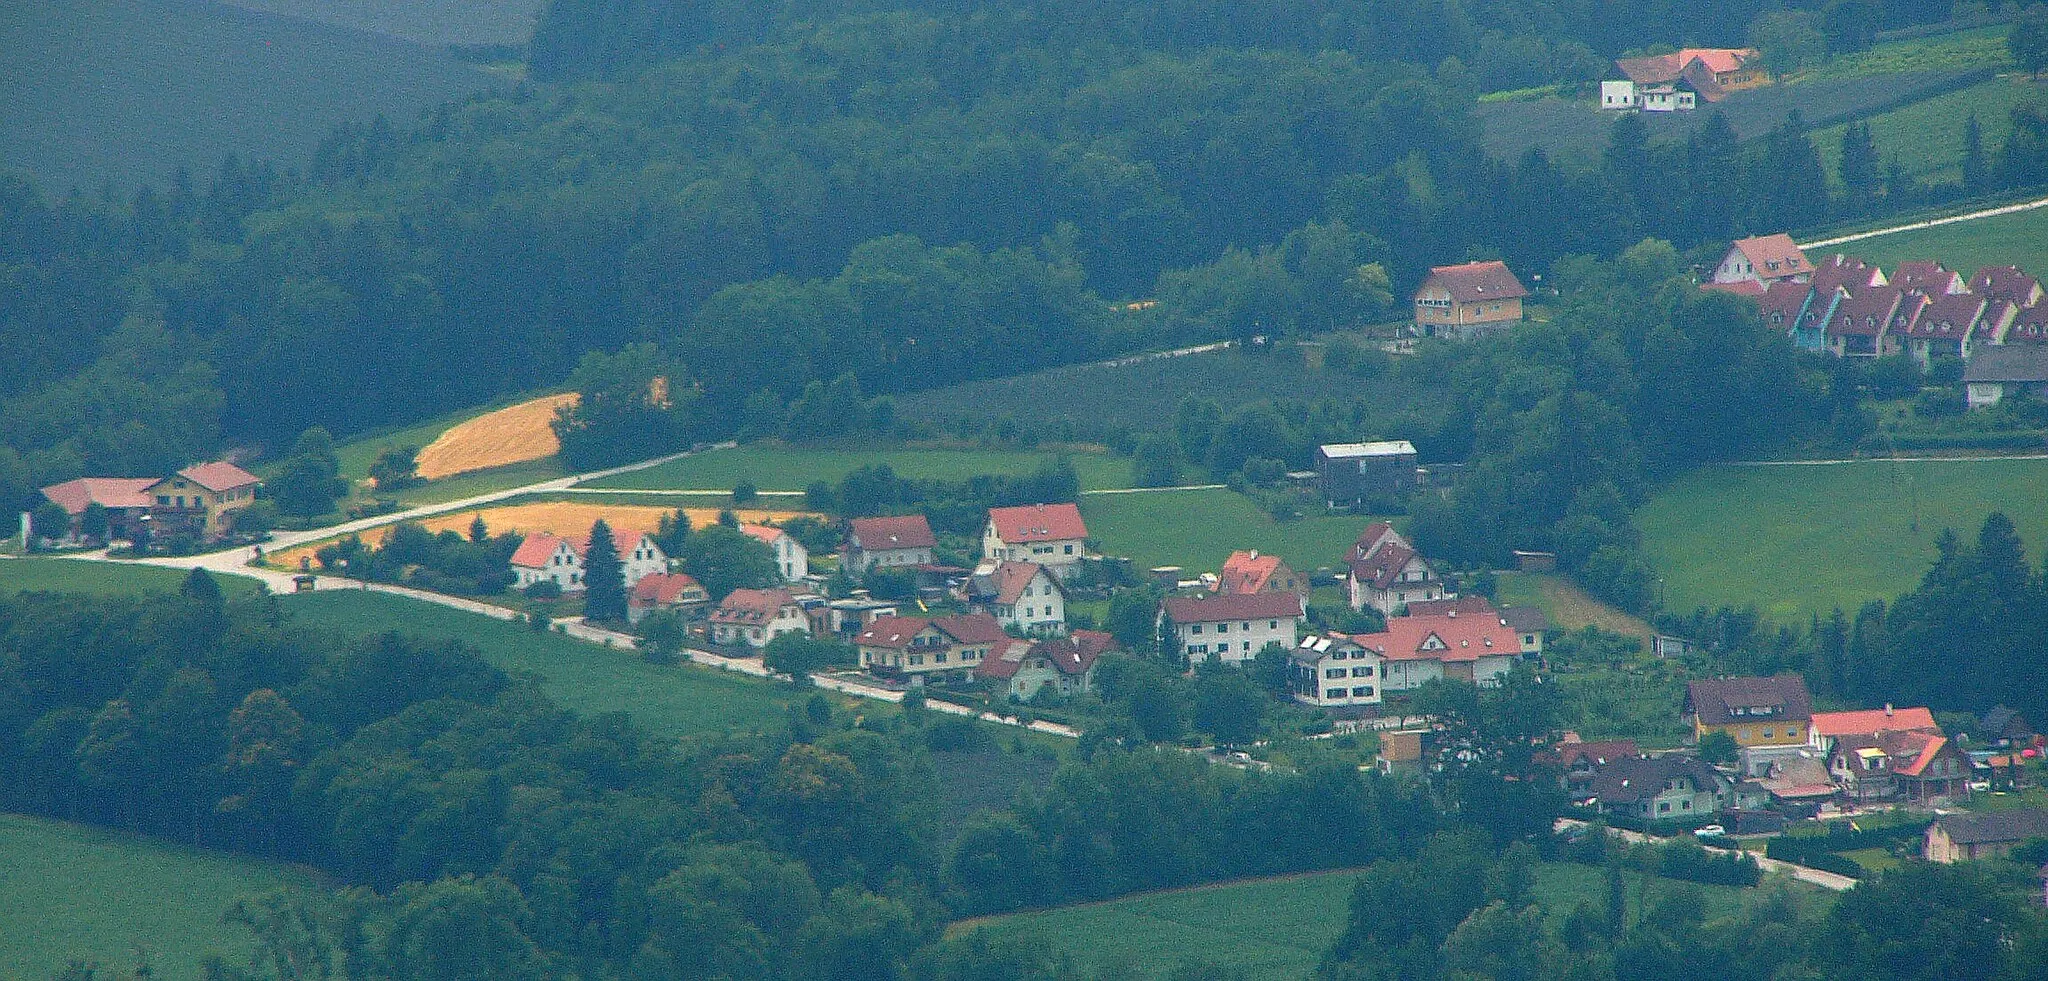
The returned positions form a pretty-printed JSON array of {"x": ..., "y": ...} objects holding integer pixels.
[{"x": 604, "y": 577}]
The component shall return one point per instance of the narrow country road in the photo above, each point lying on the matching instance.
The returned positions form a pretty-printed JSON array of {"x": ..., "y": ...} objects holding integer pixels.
[
  {"x": 1929, "y": 223},
  {"x": 1825, "y": 880}
]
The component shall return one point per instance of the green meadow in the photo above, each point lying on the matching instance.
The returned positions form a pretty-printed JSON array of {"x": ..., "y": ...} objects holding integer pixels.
[
  {"x": 776, "y": 466},
  {"x": 1198, "y": 529},
  {"x": 2019, "y": 239},
  {"x": 69, "y": 893},
  {"x": 1926, "y": 138},
  {"x": 1799, "y": 540},
  {"x": 100, "y": 578}
]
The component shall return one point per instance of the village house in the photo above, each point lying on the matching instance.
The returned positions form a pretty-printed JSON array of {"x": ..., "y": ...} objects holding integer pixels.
[
  {"x": 889, "y": 543},
  {"x": 1970, "y": 837},
  {"x": 2005, "y": 728},
  {"x": 1946, "y": 328},
  {"x": 1658, "y": 788},
  {"x": 1359, "y": 474},
  {"x": 1764, "y": 260},
  {"x": 542, "y": 557},
  {"x": 1528, "y": 622},
  {"x": 1467, "y": 301},
  {"x": 1064, "y": 664},
  {"x": 925, "y": 650},
  {"x": 1050, "y": 535},
  {"x": 1577, "y": 760},
  {"x": 126, "y": 501},
  {"x": 1250, "y": 572},
  {"x": 1929, "y": 277},
  {"x": 1681, "y": 80},
  {"x": 753, "y": 617},
  {"x": 2006, "y": 283},
  {"x": 642, "y": 559},
  {"x": 1921, "y": 766},
  {"x": 1830, "y": 726},
  {"x": 672, "y": 592},
  {"x": 1414, "y": 650},
  {"x": 1768, "y": 718},
  {"x": 1388, "y": 574},
  {"x": 792, "y": 560},
  {"x": 1997, "y": 373},
  {"x": 1861, "y": 323},
  {"x": 2023, "y": 326},
  {"x": 1020, "y": 595},
  {"x": 1335, "y": 672},
  {"x": 200, "y": 500},
  {"x": 1230, "y": 629}
]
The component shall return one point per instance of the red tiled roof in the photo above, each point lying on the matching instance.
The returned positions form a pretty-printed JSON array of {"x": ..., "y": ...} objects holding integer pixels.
[
  {"x": 535, "y": 550},
  {"x": 1928, "y": 276},
  {"x": 1785, "y": 298},
  {"x": 972, "y": 628},
  {"x": 1461, "y": 638},
  {"x": 906, "y": 531},
  {"x": 1867, "y": 313},
  {"x": 751, "y": 605},
  {"x": 1464, "y": 606},
  {"x": 2005, "y": 283},
  {"x": 1472, "y": 282},
  {"x": 108, "y": 492},
  {"x": 1242, "y": 606},
  {"x": 1038, "y": 523},
  {"x": 1840, "y": 271},
  {"x": 1247, "y": 572},
  {"x": 1372, "y": 536},
  {"x": 1773, "y": 256},
  {"x": 892, "y": 633},
  {"x": 218, "y": 476},
  {"x": 1385, "y": 565},
  {"x": 1867, "y": 721},
  {"x": 765, "y": 534},
  {"x": 1010, "y": 578},
  {"x": 663, "y": 588},
  {"x": 1949, "y": 315},
  {"x": 1093, "y": 643},
  {"x": 2030, "y": 326},
  {"x": 1063, "y": 654}
]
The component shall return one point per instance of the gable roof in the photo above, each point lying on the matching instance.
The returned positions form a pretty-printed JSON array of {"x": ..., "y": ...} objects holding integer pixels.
[
  {"x": 765, "y": 534},
  {"x": 1929, "y": 276},
  {"x": 1866, "y": 312},
  {"x": 1784, "y": 299},
  {"x": 1632, "y": 778},
  {"x": 892, "y": 633},
  {"x": 2029, "y": 325},
  {"x": 1375, "y": 535},
  {"x": 535, "y": 550},
  {"x": 1845, "y": 272},
  {"x": 1248, "y": 572},
  {"x": 1464, "y": 606},
  {"x": 1868, "y": 721},
  {"x": 218, "y": 476},
  {"x": 1714, "y": 699},
  {"x": 1950, "y": 315},
  {"x": 2008, "y": 363},
  {"x": 1997, "y": 826},
  {"x": 904, "y": 531},
  {"x": 1522, "y": 619},
  {"x": 972, "y": 628},
  {"x": 1384, "y": 566},
  {"x": 662, "y": 588},
  {"x": 1773, "y": 256},
  {"x": 1472, "y": 282},
  {"x": 1237, "y": 606},
  {"x": 2005, "y": 283},
  {"x": 1006, "y": 582},
  {"x": 1449, "y": 638},
  {"x": 74, "y": 496},
  {"x": 752, "y": 605},
  {"x": 1038, "y": 523}
]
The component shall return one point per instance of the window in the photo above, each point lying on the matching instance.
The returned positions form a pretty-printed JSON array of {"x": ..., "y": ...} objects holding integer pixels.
[
  {"x": 1198, "y": 648},
  {"x": 1362, "y": 691},
  {"x": 1362, "y": 672},
  {"x": 1070, "y": 550},
  {"x": 1223, "y": 628},
  {"x": 1272, "y": 625},
  {"x": 1334, "y": 673},
  {"x": 916, "y": 660},
  {"x": 1334, "y": 693},
  {"x": 939, "y": 658},
  {"x": 1767, "y": 733},
  {"x": 1195, "y": 628},
  {"x": 1664, "y": 807},
  {"x": 1685, "y": 805},
  {"x": 1338, "y": 655}
]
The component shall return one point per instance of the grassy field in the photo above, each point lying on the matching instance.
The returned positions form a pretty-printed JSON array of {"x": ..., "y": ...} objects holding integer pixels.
[
  {"x": 100, "y": 578},
  {"x": 774, "y": 466},
  {"x": 1199, "y": 529},
  {"x": 2017, "y": 239},
  {"x": 1566, "y": 605},
  {"x": 1270, "y": 929},
  {"x": 1982, "y": 47},
  {"x": 71, "y": 893},
  {"x": 127, "y": 90},
  {"x": 1927, "y": 137},
  {"x": 424, "y": 21},
  {"x": 669, "y": 700},
  {"x": 1796, "y": 540}
]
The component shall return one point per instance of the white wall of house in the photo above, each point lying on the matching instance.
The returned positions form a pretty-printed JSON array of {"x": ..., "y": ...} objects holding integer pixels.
[
  {"x": 1983, "y": 395},
  {"x": 1489, "y": 669},
  {"x": 1059, "y": 557},
  {"x": 861, "y": 560},
  {"x": 1040, "y": 610},
  {"x": 1346, "y": 677},
  {"x": 1618, "y": 94},
  {"x": 789, "y": 619},
  {"x": 563, "y": 567},
  {"x": 1233, "y": 641},
  {"x": 643, "y": 560},
  {"x": 791, "y": 558},
  {"x": 1408, "y": 675}
]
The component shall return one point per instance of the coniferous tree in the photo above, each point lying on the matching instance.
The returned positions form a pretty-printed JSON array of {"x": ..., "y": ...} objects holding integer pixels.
[
  {"x": 604, "y": 577},
  {"x": 1976, "y": 167}
]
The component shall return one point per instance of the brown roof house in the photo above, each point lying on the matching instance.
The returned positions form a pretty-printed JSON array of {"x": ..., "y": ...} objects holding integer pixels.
[
  {"x": 891, "y": 543},
  {"x": 124, "y": 499},
  {"x": 1767, "y": 717},
  {"x": 1231, "y": 629},
  {"x": 1467, "y": 301},
  {"x": 1023, "y": 596},
  {"x": 201, "y": 500},
  {"x": 673, "y": 592},
  {"x": 1921, "y": 766},
  {"x": 2005, "y": 370},
  {"x": 1681, "y": 80},
  {"x": 929, "y": 649},
  {"x": 1250, "y": 572},
  {"x": 1969, "y": 837},
  {"x": 1388, "y": 574},
  {"x": 753, "y": 617},
  {"x": 1063, "y": 664},
  {"x": 1764, "y": 260},
  {"x": 1658, "y": 788}
]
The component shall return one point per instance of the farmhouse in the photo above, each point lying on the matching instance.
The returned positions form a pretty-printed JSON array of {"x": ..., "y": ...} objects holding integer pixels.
[
  {"x": 548, "y": 558},
  {"x": 1969, "y": 837},
  {"x": 1064, "y": 664},
  {"x": 1413, "y": 650},
  {"x": 791, "y": 559},
  {"x": 1357, "y": 474},
  {"x": 1467, "y": 301},
  {"x": 1335, "y": 672},
  {"x": 753, "y": 617},
  {"x": 1767, "y": 717},
  {"x": 1680, "y": 81},
  {"x": 1050, "y": 535},
  {"x": 126, "y": 500},
  {"x": 1020, "y": 595},
  {"x": 2005, "y": 370},
  {"x": 890, "y": 543},
  {"x": 1387, "y": 573},
  {"x": 200, "y": 500},
  {"x": 1250, "y": 572},
  {"x": 1764, "y": 260},
  {"x": 1231, "y": 629},
  {"x": 672, "y": 592}
]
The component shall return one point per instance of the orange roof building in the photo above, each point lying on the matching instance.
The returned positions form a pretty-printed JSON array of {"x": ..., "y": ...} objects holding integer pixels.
[{"x": 1469, "y": 300}]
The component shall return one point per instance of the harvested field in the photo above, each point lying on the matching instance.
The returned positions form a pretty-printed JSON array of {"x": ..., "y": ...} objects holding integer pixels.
[{"x": 510, "y": 435}]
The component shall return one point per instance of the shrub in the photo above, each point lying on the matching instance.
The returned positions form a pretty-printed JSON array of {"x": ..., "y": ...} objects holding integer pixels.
[{"x": 544, "y": 589}]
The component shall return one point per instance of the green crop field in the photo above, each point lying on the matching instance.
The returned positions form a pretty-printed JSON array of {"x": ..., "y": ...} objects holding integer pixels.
[
  {"x": 72, "y": 893},
  {"x": 1926, "y": 138},
  {"x": 2019, "y": 239},
  {"x": 127, "y": 90},
  {"x": 1198, "y": 529},
  {"x": 1270, "y": 929},
  {"x": 1981, "y": 47},
  {"x": 581, "y": 676},
  {"x": 1795, "y": 540},
  {"x": 100, "y": 578},
  {"x": 774, "y": 466}
]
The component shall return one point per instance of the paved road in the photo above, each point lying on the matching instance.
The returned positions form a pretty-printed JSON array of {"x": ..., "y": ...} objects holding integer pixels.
[
  {"x": 1825, "y": 880},
  {"x": 1930, "y": 223}
]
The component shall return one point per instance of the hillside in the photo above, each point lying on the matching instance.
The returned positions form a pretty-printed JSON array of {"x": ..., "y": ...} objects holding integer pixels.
[
  {"x": 2019, "y": 239},
  {"x": 128, "y": 90},
  {"x": 420, "y": 21}
]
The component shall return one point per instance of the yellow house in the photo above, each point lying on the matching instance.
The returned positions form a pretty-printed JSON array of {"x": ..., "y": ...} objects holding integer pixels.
[
  {"x": 1755, "y": 712},
  {"x": 200, "y": 499}
]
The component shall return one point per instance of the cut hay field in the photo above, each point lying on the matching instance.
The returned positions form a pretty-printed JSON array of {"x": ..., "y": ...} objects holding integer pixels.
[
  {"x": 1268, "y": 929},
  {"x": 128, "y": 90},
  {"x": 101, "y": 578},
  {"x": 781, "y": 467},
  {"x": 2019, "y": 239},
  {"x": 515, "y": 434},
  {"x": 1799, "y": 540},
  {"x": 70, "y": 893},
  {"x": 1198, "y": 529},
  {"x": 589, "y": 679}
]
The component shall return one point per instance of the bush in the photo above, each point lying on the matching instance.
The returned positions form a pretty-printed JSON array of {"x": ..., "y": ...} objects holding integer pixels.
[
  {"x": 745, "y": 492},
  {"x": 544, "y": 589}
]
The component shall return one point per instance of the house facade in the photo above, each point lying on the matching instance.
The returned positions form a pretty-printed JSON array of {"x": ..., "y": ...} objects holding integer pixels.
[
  {"x": 1022, "y": 596},
  {"x": 1416, "y": 650},
  {"x": 1998, "y": 373},
  {"x": 1659, "y": 788},
  {"x": 1969, "y": 837},
  {"x": 925, "y": 650},
  {"x": 671, "y": 592},
  {"x": 792, "y": 560},
  {"x": 1763, "y": 259},
  {"x": 1681, "y": 80},
  {"x": 643, "y": 559},
  {"x": 1918, "y": 766},
  {"x": 1359, "y": 474},
  {"x": 1335, "y": 672},
  {"x": 1230, "y": 629},
  {"x": 548, "y": 558},
  {"x": 1387, "y": 573},
  {"x": 1025, "y": 668},
  {"x": 753, "y": 617},
  {"x": 888, "y": 543},
  {"x": 1467, "y": 301},
  {"x": 1250, "y": 572},
  {"x": 1048, "y": 535},
  {"x": 1769, "y": 718},
  {"x": 200, "y": 499},
  {"x": 1828, "y": 727},
  {"x": 126, "y": 500}
]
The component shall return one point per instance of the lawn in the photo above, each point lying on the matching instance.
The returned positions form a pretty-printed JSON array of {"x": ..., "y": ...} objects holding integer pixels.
[
  {"x": 588, "y": 679},
  {"x": 1795, "y": 540},
  {"x": 1198, "y": 529},
  {"x": 72, "y": 893},
  {"x": 1566, "y": 605},
  {"x": 2019, "y": 239},
  {"x": 1270, "y": 929},
  {"x": 776, "y": 466},
  {"x": 100, "y": 578},
  {"x": 1926, "y": 138}
]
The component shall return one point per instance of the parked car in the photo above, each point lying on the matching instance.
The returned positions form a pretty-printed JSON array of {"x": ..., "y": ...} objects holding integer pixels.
[{"x": 1710, "y": 831}]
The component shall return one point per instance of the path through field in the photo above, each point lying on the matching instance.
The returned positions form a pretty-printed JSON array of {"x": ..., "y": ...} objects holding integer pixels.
[{"x": 1929, "y": 223}]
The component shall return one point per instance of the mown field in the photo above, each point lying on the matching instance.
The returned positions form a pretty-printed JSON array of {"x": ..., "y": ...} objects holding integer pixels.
[
  {"x": 1198, "y": 529},
  {"x": 1926, "y": 138},
  {"x": 1269, "y": 929},
  {"x": 774, "y": 466},
  {"x": 72, "y": 893},
  {"x": 127, "y": 90},
  {"x": 2019, "y": 239},
  {"x": 1796, "y": 540},
  {"x": 100, "y": 578},
  {"x": 589, "y": 679}
]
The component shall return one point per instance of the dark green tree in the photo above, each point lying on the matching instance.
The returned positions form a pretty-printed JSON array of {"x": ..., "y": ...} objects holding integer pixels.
[{"x": 604, "y": 577}]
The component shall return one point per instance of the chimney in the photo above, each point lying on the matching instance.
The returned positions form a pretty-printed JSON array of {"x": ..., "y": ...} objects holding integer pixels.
[
  {"x": 1453, "y": 614},
  {"x": 1887, "y": 710}
]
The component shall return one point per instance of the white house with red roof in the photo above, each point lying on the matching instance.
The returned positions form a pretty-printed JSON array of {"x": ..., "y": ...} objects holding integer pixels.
[
  {"x": 1023, "y": 596},
  {"x": 543, "y": 557},
  {"x": 922, "y": 650},
  {"x": 1681, "y": 80},
  {"x": 1387, "y": 573},
  {"x": 1468, "y": 300},
  {"x": 792, "y": 560},
  {"x": 753, "y": 617},
  {"x": 1415, "y": 650},
  {"x": 1231, "y": 629},
  {"x": 1830, "y": 726},
  {"x": 1332, "y": 671},
  {"x": 1065, "y": 664},
  {"x": 125, "y": 499},
  {"x": 890, "y": 543},
  {"x": 673, "y": 592},
  {"x": 1764, "y": 260},
  {"x": 201, "y": 499},
  {"x": 1050, "y": 535},
  {"x": 1250, "y": 572}
]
